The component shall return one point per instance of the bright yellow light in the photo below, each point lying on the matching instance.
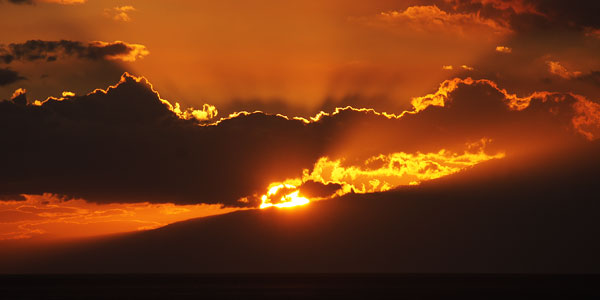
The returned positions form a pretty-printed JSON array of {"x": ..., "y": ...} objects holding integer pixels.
[
  {"x": 289, "y": 200},
  {"x": 377, "y": 174}
]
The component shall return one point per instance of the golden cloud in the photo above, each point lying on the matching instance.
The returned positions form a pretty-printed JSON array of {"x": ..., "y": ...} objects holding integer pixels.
[
  {"x": 433, "y": 19},
  {"x": 503, "y": 49},
  {"x": 558, "y": 69},
  {"x": 120, "y": 13}
]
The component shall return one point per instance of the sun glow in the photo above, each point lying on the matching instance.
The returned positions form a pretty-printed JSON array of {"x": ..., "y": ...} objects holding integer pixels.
[
  {"x": 377, "y": 174},
  {"x": 384, "y": 172},
  {"x": 288, "y": 199}
]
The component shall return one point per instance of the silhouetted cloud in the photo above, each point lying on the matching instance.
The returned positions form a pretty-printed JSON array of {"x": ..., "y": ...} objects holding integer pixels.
[
  {"x": 531, "y": 15},
  {"x": 8, "y": 76},
  {"x": 126, "y": 144},
  {"x": 543, "y": 210},
  {"x": 138, "y": 149},
  {"x": 33, "y": 50},
  {"x": 581, "y": 15}
]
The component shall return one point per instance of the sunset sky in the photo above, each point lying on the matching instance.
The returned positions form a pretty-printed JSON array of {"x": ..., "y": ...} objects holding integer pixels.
[{"x": 125, "y": 116}]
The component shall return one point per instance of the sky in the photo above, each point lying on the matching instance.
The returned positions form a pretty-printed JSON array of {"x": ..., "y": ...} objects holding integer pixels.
[{"x": 130, "y": 115}]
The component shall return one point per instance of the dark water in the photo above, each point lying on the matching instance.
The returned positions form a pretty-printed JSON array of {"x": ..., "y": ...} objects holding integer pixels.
[{"x": 299, "y": 286}]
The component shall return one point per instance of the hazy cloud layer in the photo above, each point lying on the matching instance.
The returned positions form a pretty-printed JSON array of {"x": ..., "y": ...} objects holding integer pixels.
[{"x": 51, "y": 215}]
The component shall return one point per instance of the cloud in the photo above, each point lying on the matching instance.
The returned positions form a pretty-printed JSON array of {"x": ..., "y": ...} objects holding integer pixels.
[
  {"x": 558, "y": 69},
  {"x": 30, "y": 216},
  {"x": 562, "y": 105},
  {"x": 531, "y": 16},
  {"x": 19, "y": 93},
  {"x": 141, "y": 148},
  {"x": 593, "y": 32},
  {"x": 587, "y": 118},
  {"x": 516, "y": 6},
  {"x": 580, "y": 16},
  {"x": 433, "y": 19},
  {"x": 451, "y": 67},
  {"x": 8, "y": 76},
  {"x": 503, "y": 49},
  {"x": 125, "y": 144},
  {"x": 20, "y": 1},
  {"x": 120, "y": 13},
  {"x": 592, "y": 77},
  {"x": 63, "y": 2},
  {"x": 384, "y": 172},
  {"x": 34, "y": 50}
]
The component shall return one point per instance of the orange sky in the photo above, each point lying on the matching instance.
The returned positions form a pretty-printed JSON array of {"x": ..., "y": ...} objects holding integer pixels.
[
  {"x": 49, "y": 216},
  {"x": 436, "y": 61},
  {"x": 296, "y": 52}
]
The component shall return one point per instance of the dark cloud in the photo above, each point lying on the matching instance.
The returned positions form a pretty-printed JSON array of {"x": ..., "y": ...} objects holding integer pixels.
[
  {"x": 33, "y": 50},
  {"x": 8, "y": 197},
  {"x": 312, "y": 189},
  {"x": 381, "y": 102},
  {"x": 8, "y": 76},
  {"x": 126, "y": 145},
  {"x": 472, "y": 110},
  {"x": 31, "y": 2},
  {"x": 571, "y": 78},
  {"x": 532, "y": 215},
  {"x": 581, "y": 13},
  {"x": 592, "y": 77},
  {"x": 532, "y": 15},
  {"x": 20, "y": 1}
]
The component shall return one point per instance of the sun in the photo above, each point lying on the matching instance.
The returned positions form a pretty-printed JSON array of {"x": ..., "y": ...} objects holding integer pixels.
[{"x": 291, "y": 199}]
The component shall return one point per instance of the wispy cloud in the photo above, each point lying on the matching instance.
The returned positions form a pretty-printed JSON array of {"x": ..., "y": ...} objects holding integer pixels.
[
  {"x": 120, "y": 13},
  {"x": 433, "y": 19}
]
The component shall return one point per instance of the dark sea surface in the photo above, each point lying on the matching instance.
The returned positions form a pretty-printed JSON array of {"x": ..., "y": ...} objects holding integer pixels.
[{"x": 299, "y": 286}]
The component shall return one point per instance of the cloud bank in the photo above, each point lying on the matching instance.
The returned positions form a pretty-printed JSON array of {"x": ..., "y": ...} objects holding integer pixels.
[{"x": 126, "y": 144}]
